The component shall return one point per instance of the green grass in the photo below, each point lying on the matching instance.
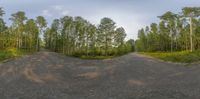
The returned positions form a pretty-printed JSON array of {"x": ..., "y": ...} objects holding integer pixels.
[
  {"x": 11, "y": 53},
  {"x": 180, "y": 57},
  {"x": 96, "y": 57}
]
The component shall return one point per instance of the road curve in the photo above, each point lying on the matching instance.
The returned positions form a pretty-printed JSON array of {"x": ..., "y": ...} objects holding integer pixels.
[{"x": 48, "y": 75}]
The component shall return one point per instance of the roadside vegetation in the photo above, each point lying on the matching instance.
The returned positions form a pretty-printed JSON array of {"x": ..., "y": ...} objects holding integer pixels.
[
  {"x": 75, "y": 36},
  {"x": 12, "y": 53},
  {"x": 176, "y": 38},
  {"x": 22, "y": 36},
  {"x": 177, "y": 57},
  {"x": 72, "y": 36},
  {"x": 96, "y": 57}
]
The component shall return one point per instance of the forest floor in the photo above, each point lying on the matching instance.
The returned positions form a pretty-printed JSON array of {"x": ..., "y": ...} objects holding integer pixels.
[{"x": 48, "y": 75}]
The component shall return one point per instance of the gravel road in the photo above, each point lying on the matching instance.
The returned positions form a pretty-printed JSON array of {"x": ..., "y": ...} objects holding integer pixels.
[{"x": 48, "y": 75}]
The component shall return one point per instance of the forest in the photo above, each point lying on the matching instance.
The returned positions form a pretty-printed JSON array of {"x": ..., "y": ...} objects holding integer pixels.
[
  {"x": 174, "y": 32},
  {"x": 77, "y": 36},
  {"x": 73, "y": 36},
  {"x": 175, "y": 38}
]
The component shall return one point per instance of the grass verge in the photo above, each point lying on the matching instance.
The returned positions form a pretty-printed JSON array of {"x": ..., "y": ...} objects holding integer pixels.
[
  {"x": 96, "y": 57},
  {"x": 180, "y": 57},
  {"x": 12, "y": 53}
]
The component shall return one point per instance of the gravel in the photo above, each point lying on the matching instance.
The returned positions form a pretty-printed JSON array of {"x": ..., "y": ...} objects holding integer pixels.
[{"x": 48, "y": 75}]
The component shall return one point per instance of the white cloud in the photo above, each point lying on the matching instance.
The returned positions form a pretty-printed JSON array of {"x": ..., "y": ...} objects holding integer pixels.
[
  {"x": 124, "y": 12},
  {"x": 65, "y": 12},
  {"x": 46, "y": 13},
  {"x": 55, "y": 11},
  {"x": 58, "y": 7}
]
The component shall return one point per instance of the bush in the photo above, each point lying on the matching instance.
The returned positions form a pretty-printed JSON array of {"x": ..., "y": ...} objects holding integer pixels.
[
  {"x": 182, "y": 57},
  {"x": 11, "y": 52}
]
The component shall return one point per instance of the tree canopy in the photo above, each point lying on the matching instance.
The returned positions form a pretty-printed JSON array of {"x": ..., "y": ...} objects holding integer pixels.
[
  {"x": 77, "y": 36},
  {"x": 175, "y": 32},
  {"x": 69, "y": 35}
]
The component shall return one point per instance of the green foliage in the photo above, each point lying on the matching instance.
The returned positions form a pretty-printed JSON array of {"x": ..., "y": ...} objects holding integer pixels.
[
  {"x": 41, "y": 23},
  {"x": 175, "y": 32},
  {"x": 172, "y": 39},
  {"x": 182, "y": 57},
  {"x": 23, "y": 34},
  {"x": 96, "y": 57},
  {"x": 21, "y": 37},
  {"x": 75, "y": 36},
  {"x": 191, "y": 11},
  {"x": 11, "y": 53}
]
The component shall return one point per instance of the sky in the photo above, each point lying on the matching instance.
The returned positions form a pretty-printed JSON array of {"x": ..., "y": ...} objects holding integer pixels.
[{"x": 132, "y": 15}]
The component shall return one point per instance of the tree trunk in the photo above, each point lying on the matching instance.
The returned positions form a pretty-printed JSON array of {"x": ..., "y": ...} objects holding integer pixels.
[
  {"x": 37, "y": 47},
  {"x": 191, "y": 35},
  {"x": 171, "y": 45}
]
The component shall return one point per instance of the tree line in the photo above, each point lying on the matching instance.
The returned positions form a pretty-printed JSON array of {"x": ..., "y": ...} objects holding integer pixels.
[
  {"x": 175, "y": 32},
  {"x": 23, "y": 33},
  {"x": 68, "y": 35},
  {"x": 76, "y": 36}
]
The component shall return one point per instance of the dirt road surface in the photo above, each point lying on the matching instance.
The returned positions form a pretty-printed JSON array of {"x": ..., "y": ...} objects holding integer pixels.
[{"x": 48, "y": 75}]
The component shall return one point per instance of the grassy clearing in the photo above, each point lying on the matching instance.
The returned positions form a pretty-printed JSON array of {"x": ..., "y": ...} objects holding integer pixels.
[
  {"x": 180, "y": 57},
  {"x": 12, "y": 53}
]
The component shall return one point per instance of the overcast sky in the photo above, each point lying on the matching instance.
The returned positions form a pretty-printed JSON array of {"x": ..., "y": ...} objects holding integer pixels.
[{"x": 130, "y": 14}]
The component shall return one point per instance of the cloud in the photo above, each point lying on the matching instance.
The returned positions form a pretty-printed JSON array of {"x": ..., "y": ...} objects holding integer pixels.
[
  {"x": 130, "y": 14},
  {"x": 65, "y": 12},
  {"x": 131, "y": 22},
  {"x": 46, "y": 13},
  {"x": 55, "y": 11},
  {"x": 58, "y": 7}
]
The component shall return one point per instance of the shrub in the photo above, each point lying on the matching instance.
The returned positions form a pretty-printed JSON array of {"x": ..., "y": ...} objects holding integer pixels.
[{"x": 183, "y": 56}]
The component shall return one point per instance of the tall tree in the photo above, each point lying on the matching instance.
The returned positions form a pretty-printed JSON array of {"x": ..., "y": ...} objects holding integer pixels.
[
  {"x": 170, "y": 18},
  {"x": 2, "y": 23},
  {"x": 119, "y": 37},
  {"x": 191, "y": 12},
  {"x": 41, "y": 23},
  {"x": 55, "y": 32},
  {"x": 141, "y": 43},
  {"x": 18, "y": 19},
  {"x": 31, "y": 36},
  {"x": 106, "y": 29},
  {"x": 66, "y": 23}
]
